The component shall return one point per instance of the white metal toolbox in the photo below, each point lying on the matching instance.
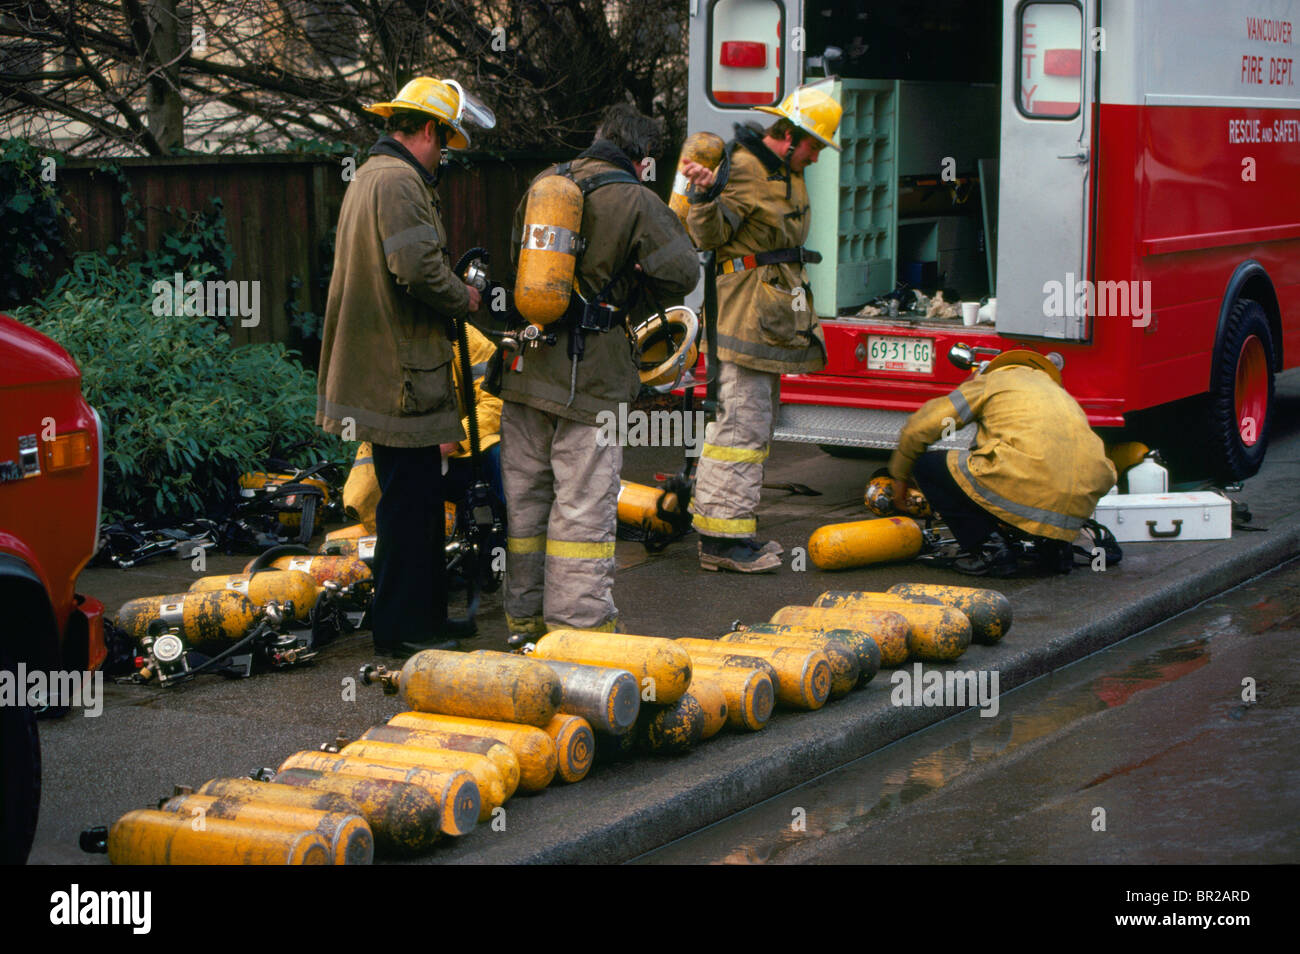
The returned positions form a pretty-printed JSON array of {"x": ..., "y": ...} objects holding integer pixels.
[{"x": 1148, "y": 518}]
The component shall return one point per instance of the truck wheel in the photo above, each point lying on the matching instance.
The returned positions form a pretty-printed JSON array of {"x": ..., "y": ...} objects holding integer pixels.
[
  {"x": 20, "y": 767},
  {"x": 1241, "y": 394}
]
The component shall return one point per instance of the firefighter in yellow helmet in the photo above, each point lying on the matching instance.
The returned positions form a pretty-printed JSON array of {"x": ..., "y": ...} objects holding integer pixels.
[
  {"x": 754, "y": 214},
  {"x": 386, "y": 350},
  {"x": 1035, "y": 465}
]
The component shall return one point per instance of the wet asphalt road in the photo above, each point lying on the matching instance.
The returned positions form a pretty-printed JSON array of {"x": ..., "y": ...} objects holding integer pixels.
[{"x": 1151, "y": 737}]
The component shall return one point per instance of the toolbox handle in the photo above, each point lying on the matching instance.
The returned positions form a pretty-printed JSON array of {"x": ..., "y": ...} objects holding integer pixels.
[{"x": 1151, "y": 529}]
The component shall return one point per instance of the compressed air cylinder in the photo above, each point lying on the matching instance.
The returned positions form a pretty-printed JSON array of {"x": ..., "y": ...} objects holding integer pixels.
[
  {"x": 148, "y": 837},
  {"x": 359, "y": 548},
  {"x": 548, "y": 249},
  {"x": 282, "y": 586},
  {"x": 803, "y": 677},
  {"x": 841, "y": 546},
  {"x": 403, "y": 817},
  {"x": 989, "y": 611},
  {"x": 748, "y": 692},
  {"x": 883, "y": 627},
  {"x": 609, "y": 699},
  {"x": 502, "y": 688},
  {"x": 704, "y": 148},
  {"x": 713, "y": 702},
  {"x": 666, "y": 665},
  {"x": 574, "y": 746},
  {"x": 638, "y": 506},
  {"x": 532, "y": 747},
  {"x": 491, "y": 786},
  {"x": 456, "y": 792},
  {"x": 352, "y": 532},
  {"x": 845, "y": 669},
  {"x": 206, "y": 621},
  {"x": 672, "y": 728},
  {"x": 502, "y": 757},
  {"x": 347, "y": 834},
  {"x": 935, "y": 633},
  {"x": 342, "y": 570},
  {"x": 864, "y": 647}
]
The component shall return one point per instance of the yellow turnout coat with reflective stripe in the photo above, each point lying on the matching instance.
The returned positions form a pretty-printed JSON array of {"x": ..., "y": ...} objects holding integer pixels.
[{"x": 1035, "y": 463}]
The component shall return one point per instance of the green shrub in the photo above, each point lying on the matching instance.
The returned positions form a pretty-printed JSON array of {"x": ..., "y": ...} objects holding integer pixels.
[
  {"x": 185, "y": 411},
  {"x": 31, "y": 219}
]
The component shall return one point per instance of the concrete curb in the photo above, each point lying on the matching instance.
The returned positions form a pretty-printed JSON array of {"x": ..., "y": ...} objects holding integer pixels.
[{"x": 634, "y": 807}]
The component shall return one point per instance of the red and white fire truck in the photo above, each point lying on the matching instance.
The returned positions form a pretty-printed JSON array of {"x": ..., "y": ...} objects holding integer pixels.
[{"x": 1122, "y": 177}]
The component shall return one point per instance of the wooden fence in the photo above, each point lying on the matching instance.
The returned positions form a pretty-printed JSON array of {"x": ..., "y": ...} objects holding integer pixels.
[{"x": 279, "y": 213}]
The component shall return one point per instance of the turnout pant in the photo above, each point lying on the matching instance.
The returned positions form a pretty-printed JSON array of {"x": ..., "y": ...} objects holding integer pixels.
[
  {"x": 970, "y": 523},
  {"x": 561, "y": 489},
  {"x": 729, "y": 479},
  {"x": 410, "y": 569}
]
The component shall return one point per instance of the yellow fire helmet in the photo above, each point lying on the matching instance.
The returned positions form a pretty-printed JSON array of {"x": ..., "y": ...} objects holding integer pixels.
[
  {"x": 1028, "y": 358},
  {"x": 813, "y": 110},
  {"x": 667, "y": 347},
  {"x": 444, "y": 100}
]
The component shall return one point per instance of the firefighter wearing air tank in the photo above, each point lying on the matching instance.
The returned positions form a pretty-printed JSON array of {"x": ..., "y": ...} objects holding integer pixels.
[
  {"x": 754, "y": 214},
  {"x": 561, "y": 477},
  {"x": 1035, "y": 465}
]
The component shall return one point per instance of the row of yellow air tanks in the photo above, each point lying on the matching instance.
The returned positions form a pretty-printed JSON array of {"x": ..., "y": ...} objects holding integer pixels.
[
  {"x": 802, "y": 677},
  {"x": 989, "y": 611},
  {"x": 936, "y": 633},
  {"x": 265, "y": 586},
  {"x": 497, "y": 687},
  {"x": 148, "y": 837},
  {"x": 343, "y": 571},
  {"x": 501, "y": 756},
  {"x": 548, "y": 249},
  {"x": 704, "y": 148},
  {"x": 661, "y": 667},
  {"x": 842, "y": 546},
  {"x": 534, "y": 749},
  {"x": 846, "y": 669},
  {"x": 640, "y": 506},
  {"x": 863, "y": 645},
  {"x": 345, "y": 832},
  {"x": 492, "y": 787},
  {"x": 206, "y": 621},
  {"x": 889, "y": 629},
  {"x": 455, "y": 793},
  {"x": 404, "y": 818}
]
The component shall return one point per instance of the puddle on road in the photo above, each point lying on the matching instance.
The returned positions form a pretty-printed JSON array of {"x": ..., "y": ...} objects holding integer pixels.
[{"x": 876, "y": 785}]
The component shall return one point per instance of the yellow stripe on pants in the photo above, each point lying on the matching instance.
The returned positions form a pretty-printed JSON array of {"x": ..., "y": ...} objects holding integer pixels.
[
  {"x": 717, "y": 525},
  {"x": 579, "y": 550},
  {"x": 526, "y": 544},
  {"x": 741, "y": 455}
]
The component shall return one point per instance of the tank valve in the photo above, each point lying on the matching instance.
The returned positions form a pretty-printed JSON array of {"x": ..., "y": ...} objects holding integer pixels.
[{"x": 390, "y": 681}]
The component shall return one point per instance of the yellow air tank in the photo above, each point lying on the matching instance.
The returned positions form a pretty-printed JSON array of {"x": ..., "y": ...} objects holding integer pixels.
[
  {"x": 501, "y": 755},
  {"x": 842, "y": 546},
  {"x": 666, "y": 665},
  {"x": 501, "y": 688},
  {"x": 749, "y": 694},
  {"x": 704, "y": 148},
  {"x": 883, "y": 627},
  {"x": 352, "y": 532},
  {"x": 457, "y": 794},
  {"x": 403, "y": 817},
  {"x": 206, "y": 621},
  {"x": 148, "y": 837},
  {"x": 860, "y": 641},
  {"x": 713, "y": 702},
  {"x": 935, "y": 633},
  {"x": 266, "y": 585},
  {"x": 574, "y": 746},
  {"x": 532, "y": 746},
  {"x": 989, "y": 611},
  {"x": 803, "y": 677},
  {"x": 349, "y": 837},
  {"x": 343, "y": 570},
  {"x": 672, "y": 728},
  {"x": 845, "y": 669},
  {"x": 639, "y": 506},
  {"x": 491, "y": 786},
  {"x": 548, "y": 249}
]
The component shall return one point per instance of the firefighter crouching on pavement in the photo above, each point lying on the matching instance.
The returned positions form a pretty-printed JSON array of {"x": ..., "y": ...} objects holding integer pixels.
[
  {"x": 1035, "y": 464},
  {"x": 561, "y": 484},
  {"x": 385, "y": 368},
  {"x": 756, "y": 216}
]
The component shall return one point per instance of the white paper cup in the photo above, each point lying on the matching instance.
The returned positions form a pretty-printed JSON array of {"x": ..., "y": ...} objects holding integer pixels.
[{"x": 970, "y": 312}]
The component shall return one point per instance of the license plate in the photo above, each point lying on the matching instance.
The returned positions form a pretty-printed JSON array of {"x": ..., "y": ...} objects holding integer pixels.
[{"x": 887, "y": 353}]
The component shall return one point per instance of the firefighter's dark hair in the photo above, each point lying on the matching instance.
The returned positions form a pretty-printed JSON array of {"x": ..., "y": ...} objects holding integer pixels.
[
  {"x": 638, "y": 135},
  {"x": 779, "y": 128},
  {"x": 408, "y": 122}
]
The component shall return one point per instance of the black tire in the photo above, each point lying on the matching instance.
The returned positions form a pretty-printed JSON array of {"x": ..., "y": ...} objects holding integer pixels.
[
  {"x": 20, "y": 766},
  {"x": 1231, "y": 456}
]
